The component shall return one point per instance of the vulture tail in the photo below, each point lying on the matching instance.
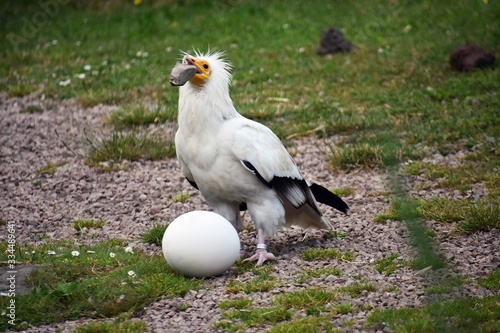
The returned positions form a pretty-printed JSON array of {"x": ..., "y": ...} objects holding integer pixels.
[{"x": 326, "y": 197}]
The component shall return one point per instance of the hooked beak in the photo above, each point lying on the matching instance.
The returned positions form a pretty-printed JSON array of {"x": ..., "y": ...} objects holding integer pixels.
[{"x": 190, "y": 61}]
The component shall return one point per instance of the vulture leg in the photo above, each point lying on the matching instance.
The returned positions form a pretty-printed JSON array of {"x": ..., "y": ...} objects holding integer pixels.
[{"x": 261, "y": 253}]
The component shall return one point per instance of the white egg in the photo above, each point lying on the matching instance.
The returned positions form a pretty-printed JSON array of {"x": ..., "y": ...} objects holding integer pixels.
[{"x": 200, "y": 244}]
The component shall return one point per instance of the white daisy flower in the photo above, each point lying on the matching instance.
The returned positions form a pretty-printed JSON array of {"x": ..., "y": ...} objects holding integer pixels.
[
  {"x": 131, "y": 274},
  {"x": 87, "y": 67},
  {"x": 129, "y": 249},
  {"x": 81, "y": 76},
  {"x": 64, "y": 83},
  {"x": 75, "y": 253},
  {"x": 112, "y": 254}
]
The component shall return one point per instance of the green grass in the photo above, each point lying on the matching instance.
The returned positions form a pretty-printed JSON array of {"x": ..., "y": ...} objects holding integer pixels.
[
  {"x": 318, "y": 272},
  {"x": 355, "y": 289},
  {"x": 344, "y": 191},
  {"x": 470, "y": 216},
  {"x": 260, "y": 283},
  {"x": 463, "y": 315},
  {"x": 327, "y": 254},
  {"x": 476, "y": 167},
  {"x": 491, "y": 281},
  {"x": 79, "y": 224},
  {"x": 101, "y": 281},
  {"x": 239, "y": 303},
  {"x": 128, "y": 146},
  {"x": 388, "y": 265},
  {"x": 49, "y": 169},
  {"x": 310, "y": 324},
  {"x": 257, "y": 317},
  {"x": 181, "y": 197},
  {"x": 139, "y": 116},
  {"x": 307, "y": 298},
  {"x": 155, "y": 234},
  {"x": 396, "y": 80},
  {"x": 239, "y": 314}
]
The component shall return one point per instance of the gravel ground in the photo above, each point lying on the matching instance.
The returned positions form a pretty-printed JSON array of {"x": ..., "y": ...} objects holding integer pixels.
[{"x": 132, "y": 201}]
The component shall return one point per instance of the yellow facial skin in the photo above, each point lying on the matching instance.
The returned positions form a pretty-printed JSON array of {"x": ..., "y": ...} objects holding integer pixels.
[{"x": 203, "y": 71}]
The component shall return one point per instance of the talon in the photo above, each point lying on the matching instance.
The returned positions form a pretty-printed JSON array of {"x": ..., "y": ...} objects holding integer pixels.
[{"x": 261, "y": 255}]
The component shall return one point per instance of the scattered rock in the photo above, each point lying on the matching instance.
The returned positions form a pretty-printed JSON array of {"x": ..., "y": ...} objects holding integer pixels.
[
  {"x": 333, "y": 41},
  {"x": 470, "y": 56},
  {"x": 132, "y": 200}
]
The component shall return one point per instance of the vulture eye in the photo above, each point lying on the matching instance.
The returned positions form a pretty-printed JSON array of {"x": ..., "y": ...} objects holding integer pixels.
[{"x": 205, "y": 66}]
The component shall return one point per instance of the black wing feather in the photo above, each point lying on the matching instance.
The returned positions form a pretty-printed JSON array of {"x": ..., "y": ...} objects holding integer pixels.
[
  {"x": 193, "y": 183},
  {"x": 298, "y": 192},
  {"x": 253, "y": 169},
  {"x": 295, "y": 190},
  {"x": 326, "y": 197}
]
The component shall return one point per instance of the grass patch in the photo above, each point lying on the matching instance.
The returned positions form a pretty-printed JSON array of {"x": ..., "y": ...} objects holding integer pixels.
[
  {"x": 470, "y": 216},
  {"x": 128, "y": 146},
  {"x": 310, "y": 324},
  {"x": 386, "y": 84},
  {"x": 478, "y": 166},
  {"x": 240, "y": 303},
  {"x": 387, "y": 265},
  {"x": 99, "y": 281},
  {"x": 79, "y": 224},
  {"x": 155, "y": 235},
  {"x": 318, "y": 272},
  {"x": 139, "y": 116},
  {"x": 327, "y": 254},
  {"x": 50, "y": 169},
  {"x": 491, "y": 281},
  {"x": 261, "y": 283},
  {"x": 343, "y": 308},
  {"x": 464, "y": 315},
  {"x": 344, "y": 191},
  {"x": 355, "y": 289},
  {"x": 181, "y": 197},
  {"x": 350, "y": 158},
  {"x": 257, "y": 317},
  {"x": 307, "y": 298}
]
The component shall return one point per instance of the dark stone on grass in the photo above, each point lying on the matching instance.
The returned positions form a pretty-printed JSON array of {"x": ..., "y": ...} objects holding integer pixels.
[
  {"x": 333, "y": 41},
  {"x": 470, "y": 56}
]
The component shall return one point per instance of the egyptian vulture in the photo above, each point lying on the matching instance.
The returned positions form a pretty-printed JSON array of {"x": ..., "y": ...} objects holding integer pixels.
[{"x": 237, "y": 163}]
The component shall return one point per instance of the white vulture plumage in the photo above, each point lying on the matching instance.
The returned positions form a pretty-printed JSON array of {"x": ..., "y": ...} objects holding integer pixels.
[{"x": 239, "y": 164}]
